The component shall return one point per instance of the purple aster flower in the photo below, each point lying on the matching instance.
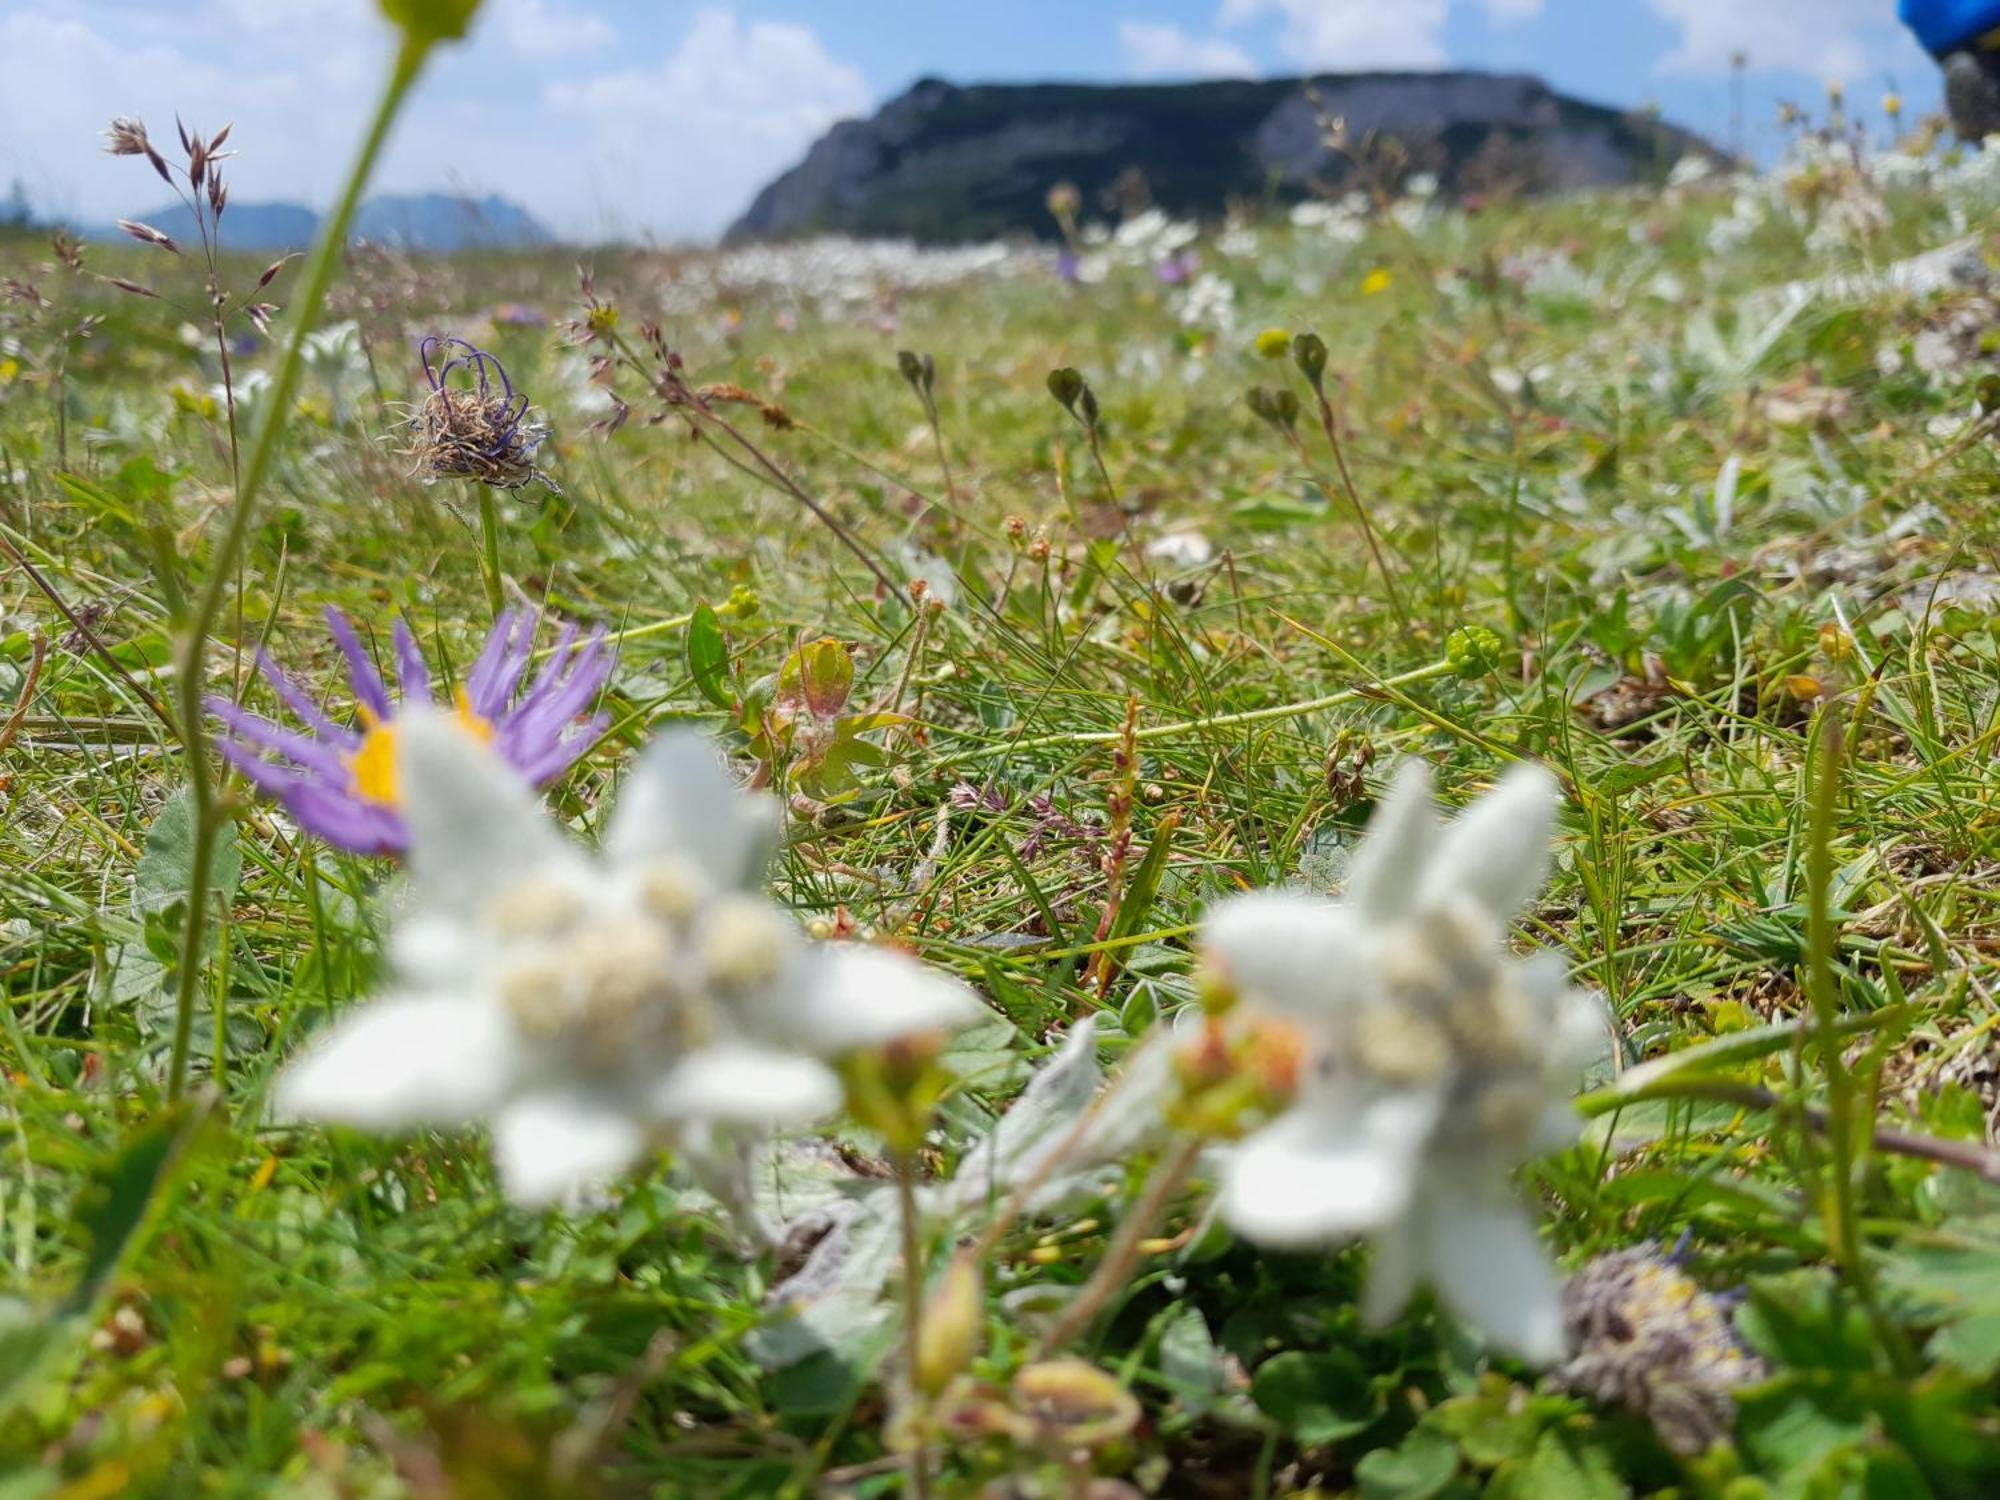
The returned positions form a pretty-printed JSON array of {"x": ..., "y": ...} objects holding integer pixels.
[{"x": 341, "y": 783}]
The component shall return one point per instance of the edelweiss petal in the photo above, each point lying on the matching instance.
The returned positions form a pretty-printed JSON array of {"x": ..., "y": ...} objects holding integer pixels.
[
  {"x": 679, "y": 801},
  {"x": 405, "y": 1060},
  {"x": 1489, "y": 1268},
  {"x": 1388, "y": 868},
  {"x": 745, "y": 1085},
  {"x": 1305, "y": 1180},
  {"x": 1288, "y": 952},
  {"x": 1497, "y": 850},
  {"x": 590, "y": 1009},
  {"x": 865, "y": 996},
  {"x": 475, "y": 827},
  {"x": 556, "y": 1146}
]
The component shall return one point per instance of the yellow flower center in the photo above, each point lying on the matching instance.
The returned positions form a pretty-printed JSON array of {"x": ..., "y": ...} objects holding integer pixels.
[{"x": 373, "y": 765}]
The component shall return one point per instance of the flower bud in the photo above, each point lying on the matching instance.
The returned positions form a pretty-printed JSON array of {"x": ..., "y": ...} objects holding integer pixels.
[
  {"x": 427, "y": 22},
  {"x": 953, "y": 1319},
  {"x": 1473, "y": 650},
  {"x": 1069, "y": 1404},
  {"x": 1309, "y": 354}
]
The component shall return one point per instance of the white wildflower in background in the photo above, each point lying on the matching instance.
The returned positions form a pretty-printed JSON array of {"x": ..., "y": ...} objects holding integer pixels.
[
  {"x": 1434, "y": 1062},
  {"x": 589, "y": 1009}
]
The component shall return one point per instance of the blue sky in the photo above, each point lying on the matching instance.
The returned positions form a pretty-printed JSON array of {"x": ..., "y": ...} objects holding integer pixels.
[{"x": 664, "y": 116}]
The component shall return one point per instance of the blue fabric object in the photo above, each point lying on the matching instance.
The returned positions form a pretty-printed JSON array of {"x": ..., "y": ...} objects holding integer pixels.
[{"x": 1946, "y": 25}]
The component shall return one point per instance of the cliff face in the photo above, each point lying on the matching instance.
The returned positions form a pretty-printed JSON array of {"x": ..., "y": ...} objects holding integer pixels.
[{"x": 944, "y": 163}]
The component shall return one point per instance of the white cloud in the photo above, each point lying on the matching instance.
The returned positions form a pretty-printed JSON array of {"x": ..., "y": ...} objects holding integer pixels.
[
  {"x": 1344, "y": 35},
  {"x": 532, "y": 107},
  {"x": 1842, "y": 39},
  {"x": 542, "y": 28},
  {"x": 1166, "y": 51},
  {"x": 684, "y": 142},
  {"x": 65, "y": 70}
]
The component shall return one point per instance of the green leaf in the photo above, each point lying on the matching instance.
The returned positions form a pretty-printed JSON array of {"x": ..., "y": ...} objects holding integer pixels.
[
  {"x": 1498, "y": 1424},
  {"x": 1719, "y": 1055},
  {"x": 1418, "y": 1470},
  {"x": 1190, "y": 1363},
  {"x": 1807, "y": 1321},
  {"x": 1317, "y": 1398},
  {"x": 1954, "y": 1276},
  {"x": 706, "y": 652},
  {"x": 819, "y": 674},
  {"x": 1145, "y": 888},
  {"x": 166, "y": 865},
  {"x": 1791, "y": 1428},
  {"x": 1565, "y": 1463},
  {"x": 1275, "y": 513}
]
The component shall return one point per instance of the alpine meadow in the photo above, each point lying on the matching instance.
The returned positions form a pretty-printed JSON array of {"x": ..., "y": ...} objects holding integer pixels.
[{"x": 1349, "y": 848}]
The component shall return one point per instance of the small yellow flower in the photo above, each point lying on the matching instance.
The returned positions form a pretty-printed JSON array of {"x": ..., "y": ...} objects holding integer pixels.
[
  {"x": 1274, "y": 343},
  {"x": 1377, "y": 282}
]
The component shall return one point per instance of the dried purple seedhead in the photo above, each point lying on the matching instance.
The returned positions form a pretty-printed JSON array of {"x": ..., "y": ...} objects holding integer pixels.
[
  {"x": 473, "y": 424},
  {"x": 1644, "y": 1335}
]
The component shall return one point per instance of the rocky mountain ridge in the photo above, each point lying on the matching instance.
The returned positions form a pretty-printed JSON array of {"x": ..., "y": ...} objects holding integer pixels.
[{"x": 942, "y": 162}]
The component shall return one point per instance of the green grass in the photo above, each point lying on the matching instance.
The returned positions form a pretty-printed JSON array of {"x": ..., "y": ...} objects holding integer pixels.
[{"x": 221, "y": 1306}]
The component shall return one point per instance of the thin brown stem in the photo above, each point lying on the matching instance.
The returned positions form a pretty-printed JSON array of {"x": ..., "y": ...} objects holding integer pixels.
[
  {"x": 1963, "y": 1156},
  {"x": 1126, "y": 1247},
  {"x": 89, "y": 637}
]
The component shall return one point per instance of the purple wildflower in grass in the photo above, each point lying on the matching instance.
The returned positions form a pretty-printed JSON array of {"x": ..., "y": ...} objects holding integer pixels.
[{"x": 342, "y": 783}]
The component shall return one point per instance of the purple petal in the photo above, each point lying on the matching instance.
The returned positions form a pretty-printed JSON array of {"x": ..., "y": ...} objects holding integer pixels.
[
  {"x": 369, "y": 688},
  {"x": 269, "y": 777},
  {"x": 513, "y": 665},
  {"x": 265, "y": 735},
  {"x": 553, "y": 760},
  {"x": 564, "y": 661},
  {"x": 413, "y": 678},
  {"x": 544, "y": 718},
  {"x": 293, "y": 697},
  {"x": 491, "y": 654},
  {"x": 345, "y": 820}
]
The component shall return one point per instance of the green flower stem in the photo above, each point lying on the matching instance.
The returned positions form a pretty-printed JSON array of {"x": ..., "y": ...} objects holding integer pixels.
[
  {"x": 1277, "y": 711},
  {"x": 489, "y": 538},
  {"x": 913, "y": 1303},
  {"x": 190, "y": 668},
  {"x": 1847, "y": 1143}
]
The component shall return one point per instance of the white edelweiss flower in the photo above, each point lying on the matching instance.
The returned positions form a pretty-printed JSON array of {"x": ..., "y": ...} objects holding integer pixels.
[
  {"x": 589, "y": 1009},
  {"x": 1434, "y": 1062}
]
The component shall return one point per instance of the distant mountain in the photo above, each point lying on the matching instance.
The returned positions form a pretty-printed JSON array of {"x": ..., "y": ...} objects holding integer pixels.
[
  {"x": 419, "y": 221},
  {"x": 440, "y": 221},
  {"x": 246, "y": 226},
  {"x": 945, "y": 163}
]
